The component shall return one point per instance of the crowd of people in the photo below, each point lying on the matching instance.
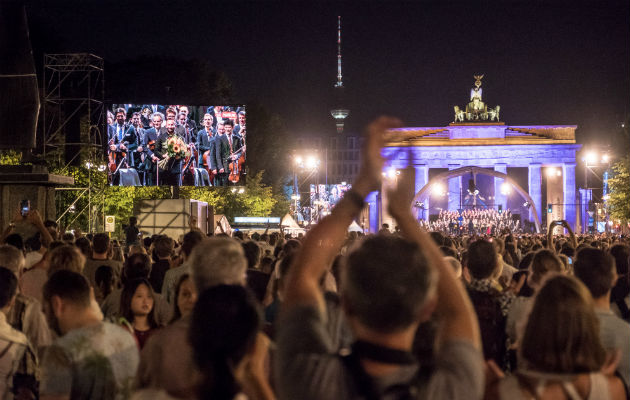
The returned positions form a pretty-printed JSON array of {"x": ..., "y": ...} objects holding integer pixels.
[
  {"x": 470, "y": 221},
  {"x": 138, "y": 144},
  {"x": 331, "y": 315}
]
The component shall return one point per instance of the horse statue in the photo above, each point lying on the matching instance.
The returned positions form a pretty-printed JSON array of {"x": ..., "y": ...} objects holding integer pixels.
[
  {"x": 493, "y": 113},
  {"x": 459, "y": 114}
]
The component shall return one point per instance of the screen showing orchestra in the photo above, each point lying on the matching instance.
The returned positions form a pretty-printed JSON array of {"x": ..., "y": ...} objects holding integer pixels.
[{"x": 176, "y": 145}]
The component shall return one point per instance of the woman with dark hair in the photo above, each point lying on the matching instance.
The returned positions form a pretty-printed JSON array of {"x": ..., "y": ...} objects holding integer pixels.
[
  {"x": 137, "y": 310},
  {"x": 544, "y": 264},
  {"x": 227, "y": 347},
  {"x": 561, "y": 356},
  {"x": 185, "y": 298}
]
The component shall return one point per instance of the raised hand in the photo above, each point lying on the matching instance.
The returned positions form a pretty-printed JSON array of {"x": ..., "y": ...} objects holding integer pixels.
[
  {"x": 400, "y": 197},
  {"x": 369, "y": 178}
]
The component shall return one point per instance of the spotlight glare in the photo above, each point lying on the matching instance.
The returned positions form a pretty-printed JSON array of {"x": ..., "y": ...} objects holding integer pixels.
[
  {"x": 438, "y": 189},
  {"x": 591, "y": 157}
]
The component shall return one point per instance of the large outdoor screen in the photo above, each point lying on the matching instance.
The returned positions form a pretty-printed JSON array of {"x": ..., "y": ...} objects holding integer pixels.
[{"x": 176, "y": 145}]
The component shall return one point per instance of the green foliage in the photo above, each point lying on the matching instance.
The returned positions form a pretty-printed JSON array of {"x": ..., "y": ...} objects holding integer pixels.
[
  {"x": 256, "y": 199},
  {"x": 10, "y": 157},
  {"x": 619, "y": 183}
]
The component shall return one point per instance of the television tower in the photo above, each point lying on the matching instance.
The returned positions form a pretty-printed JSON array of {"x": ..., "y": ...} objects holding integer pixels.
[{"x": 339, "y": 113}]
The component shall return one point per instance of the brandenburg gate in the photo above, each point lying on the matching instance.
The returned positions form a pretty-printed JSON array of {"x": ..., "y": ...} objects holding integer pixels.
[{"x": 477, "y": 142}]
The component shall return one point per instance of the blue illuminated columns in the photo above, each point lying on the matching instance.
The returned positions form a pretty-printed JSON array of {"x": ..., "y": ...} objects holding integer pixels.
[{"x": 491, "y": 145}]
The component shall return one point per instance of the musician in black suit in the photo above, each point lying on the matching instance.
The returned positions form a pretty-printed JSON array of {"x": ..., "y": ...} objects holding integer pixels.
[
  {"x": 240, "y": 128},
  {"x": 228, "y": 148},
  {"x": 189, "y": 121},
  {"x": 149, "y": 141},
  {"x": 121, "y": 137},
  {"x": 171, "y": 175},
  {"x": 205, "y": 141},
  {"x": 189, "y": 134},
  {"x": 136, "y": 150}
]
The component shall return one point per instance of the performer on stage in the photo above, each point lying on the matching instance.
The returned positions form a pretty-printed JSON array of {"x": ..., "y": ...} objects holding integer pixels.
[
  {"x": 189, "y": 133},
  {"x": 189, "y": 121},
  {"x": 228, "y": 147},
  {"x": 205, "y": 142},
  {"x": 120, "y": 136},
  {"x": 171, "y": 175},
  {"x": 149, "y": 163}
]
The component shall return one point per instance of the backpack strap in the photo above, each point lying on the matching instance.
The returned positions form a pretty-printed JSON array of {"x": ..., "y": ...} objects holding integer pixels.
[
  {"x": 363, "y": 381},
  {"x": 5, "y": 350}
]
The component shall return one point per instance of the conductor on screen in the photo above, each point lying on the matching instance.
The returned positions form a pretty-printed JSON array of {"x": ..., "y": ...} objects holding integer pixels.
[{"x": 171, "y": 170}]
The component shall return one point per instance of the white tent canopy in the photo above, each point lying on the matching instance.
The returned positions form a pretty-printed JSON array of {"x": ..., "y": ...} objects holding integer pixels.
[
  {"x": 289, "y": 225},
  {"x": 354, "y": 227}
]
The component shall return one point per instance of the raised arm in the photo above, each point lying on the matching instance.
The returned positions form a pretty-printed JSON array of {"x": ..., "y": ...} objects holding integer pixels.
[
  {"x": 550, "y": 245},
  {"x": 454, "y": 309},
  {"x": 324, "y": 241},
  {"x": 571, "y": 234},
  {"x": 35, "y": 218}
]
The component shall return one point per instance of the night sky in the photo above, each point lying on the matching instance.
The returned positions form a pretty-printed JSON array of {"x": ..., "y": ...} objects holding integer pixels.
[{"x": 545, "y": 62}]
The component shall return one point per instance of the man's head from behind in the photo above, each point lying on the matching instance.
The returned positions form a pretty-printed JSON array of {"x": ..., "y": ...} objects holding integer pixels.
[
  {"x": 191, "y": 239},
  {"x": 596, "y": 269},
  {"x": 388, "y": 284},
  {"x": 482, "y": 259},
  {"x": 12, "y": 259},
  {"x": 218, "y": 261},
  {"x": 66, "y": 294},
  {"x": 164, "y": 246},
  {"x": 100, "y": 244},
  {"x": 136, "y": 266},
  {"x": 8, "y": 288},
  {"x": 66, "y": 257}
]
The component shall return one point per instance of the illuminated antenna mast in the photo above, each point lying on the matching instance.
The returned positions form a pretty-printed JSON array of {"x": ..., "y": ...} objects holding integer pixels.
[
  {"x": 340, "y": 113},
  {"x": 339, "y": 82}
]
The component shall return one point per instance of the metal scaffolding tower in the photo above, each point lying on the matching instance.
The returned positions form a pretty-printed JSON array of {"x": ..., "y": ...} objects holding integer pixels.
[
  {"x": 74, "y": 107},
  {"x": 74, "y": 117}
]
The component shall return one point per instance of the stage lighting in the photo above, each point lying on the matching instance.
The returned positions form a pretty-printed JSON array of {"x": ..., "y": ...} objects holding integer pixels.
[
  {"x": 591, "y": 157},
  {"x": 391, "y": 173},
  {"x": 605, "y": 158},
  {"x": 438, "y": 189},
  {"x": 506, "y": 188},
  {"x": 311, "y": 162},
  {"x": 551, "y": 172},
  {"x": 298, "y": 160}
]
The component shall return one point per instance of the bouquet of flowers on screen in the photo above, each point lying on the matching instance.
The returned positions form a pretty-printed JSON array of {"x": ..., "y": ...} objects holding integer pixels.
[{"x": 175, "y": 148}]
